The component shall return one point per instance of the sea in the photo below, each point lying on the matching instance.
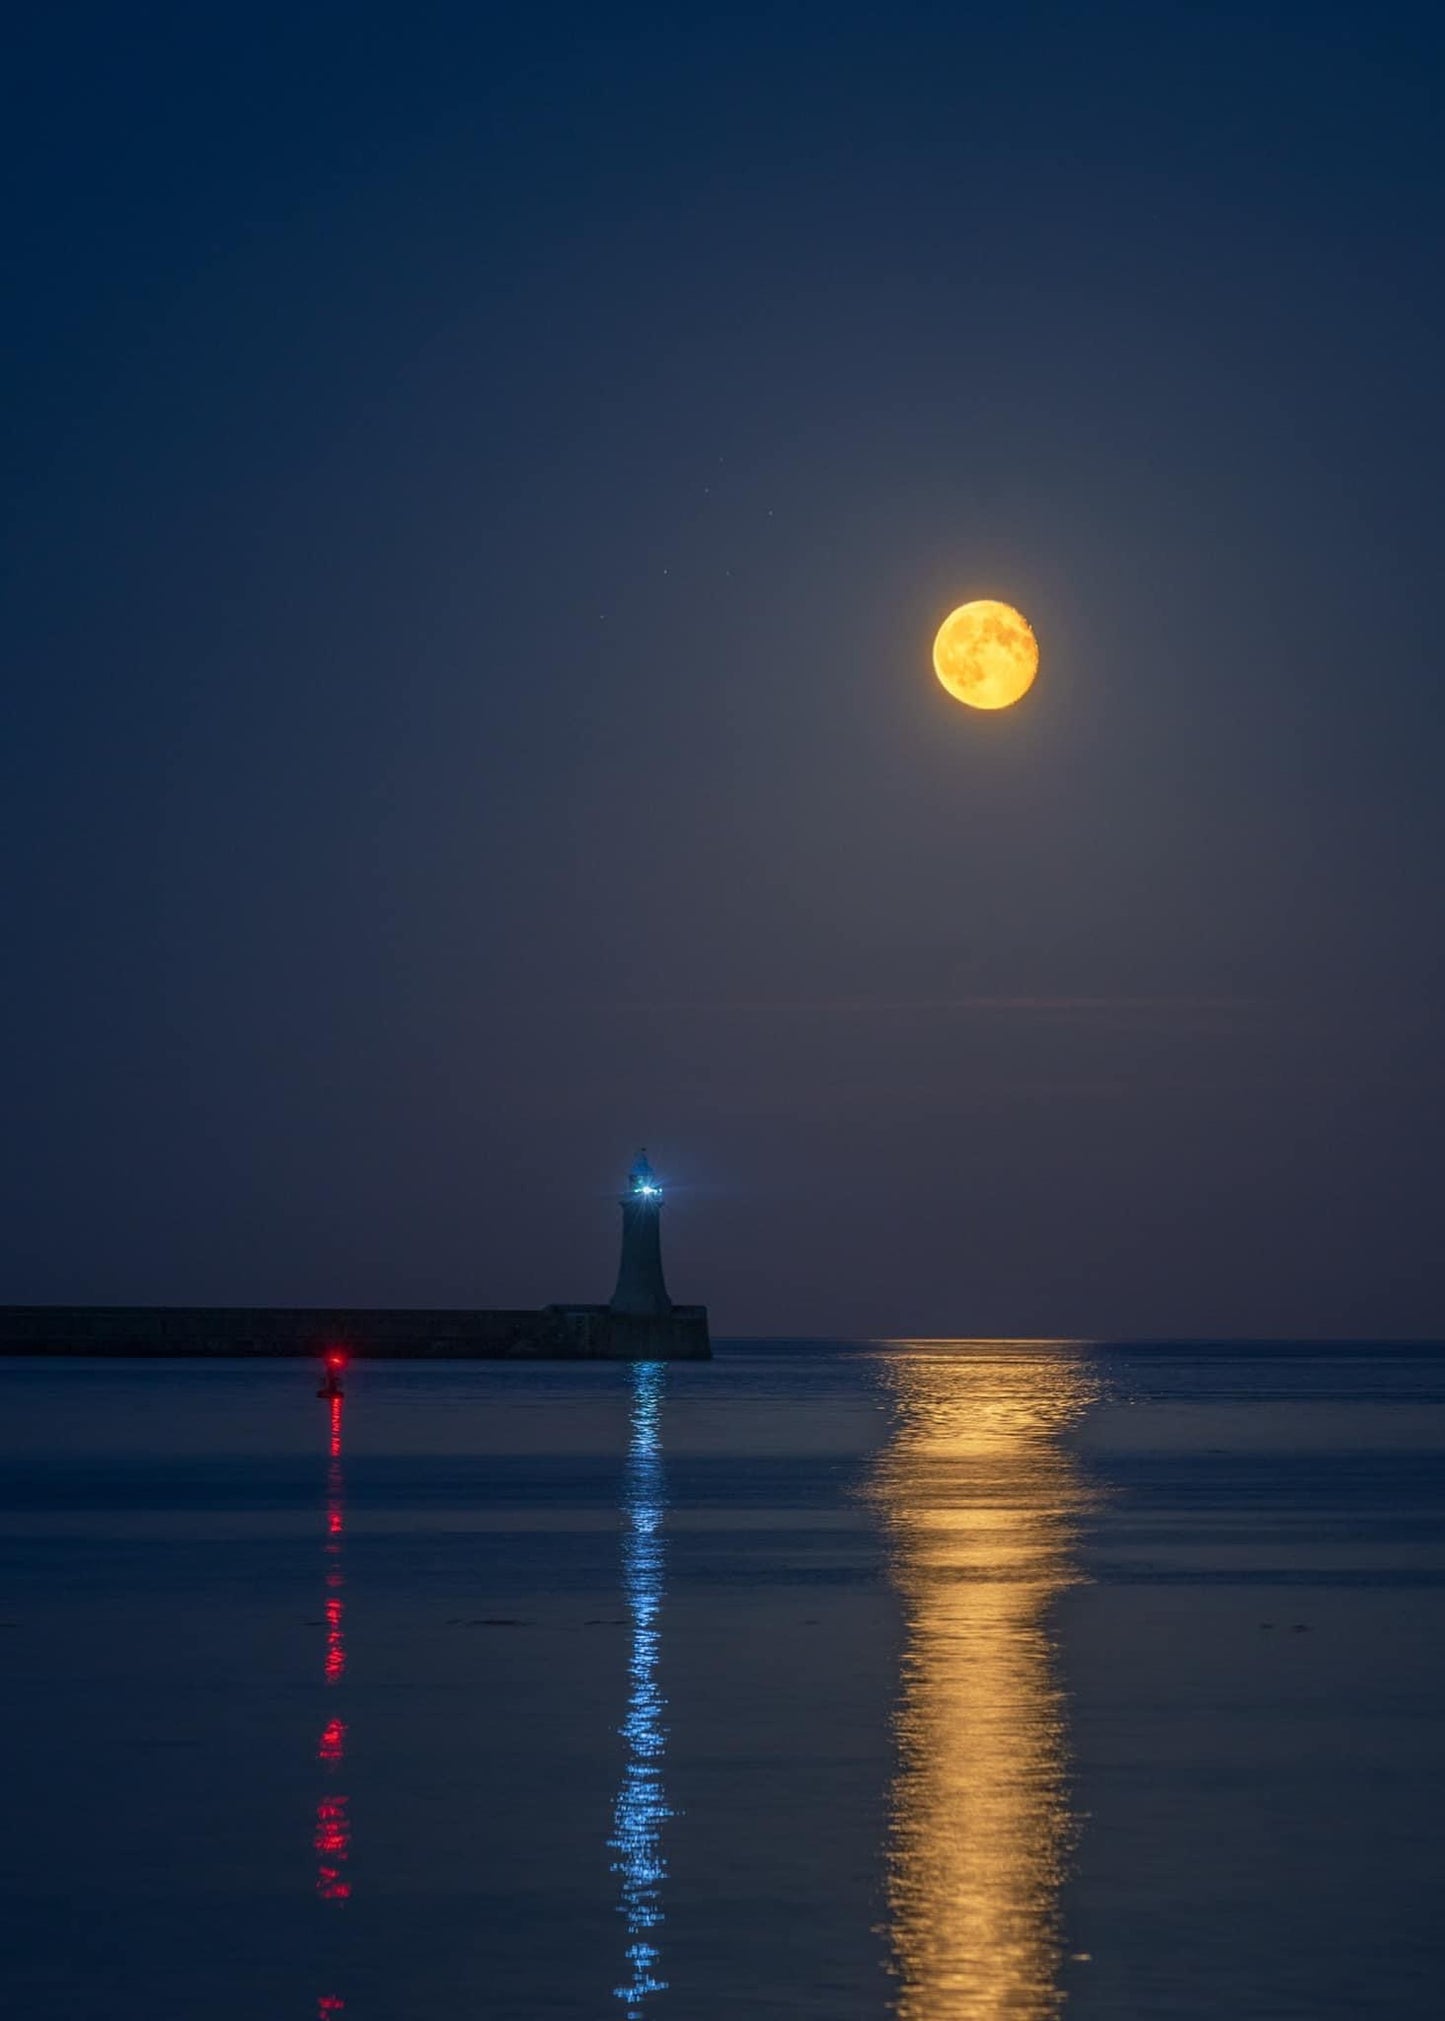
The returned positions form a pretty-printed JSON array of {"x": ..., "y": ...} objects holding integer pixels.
[{"x": 949, "y": 1680}]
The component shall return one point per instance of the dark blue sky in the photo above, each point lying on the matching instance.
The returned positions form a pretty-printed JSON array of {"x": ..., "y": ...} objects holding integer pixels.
[{"x": 479, "y": 488}]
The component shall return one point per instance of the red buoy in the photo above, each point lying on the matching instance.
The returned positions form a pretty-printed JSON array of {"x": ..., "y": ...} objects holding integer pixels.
[{"x": 331, "y": 1385}]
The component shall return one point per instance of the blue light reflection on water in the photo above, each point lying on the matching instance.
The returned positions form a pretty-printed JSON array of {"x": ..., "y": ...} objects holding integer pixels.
[{"x": 641, "y": 1807}]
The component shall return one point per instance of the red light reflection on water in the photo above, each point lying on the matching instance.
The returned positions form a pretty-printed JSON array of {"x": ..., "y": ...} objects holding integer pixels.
[
  {"x": 328, "y": 2004},
  {"x": 335, "y": 1642},
  {"x": 333, "y": 1846},
  {"x": 333, "y": 1823},
  {"x": 335, "y": 1529}
]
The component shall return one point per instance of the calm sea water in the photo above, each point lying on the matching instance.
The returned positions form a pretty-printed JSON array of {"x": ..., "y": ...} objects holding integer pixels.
[{"x": 949, "y": 1681}]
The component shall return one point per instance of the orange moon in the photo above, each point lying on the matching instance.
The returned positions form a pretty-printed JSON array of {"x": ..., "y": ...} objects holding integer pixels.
[{"x": 986, "y": 654}]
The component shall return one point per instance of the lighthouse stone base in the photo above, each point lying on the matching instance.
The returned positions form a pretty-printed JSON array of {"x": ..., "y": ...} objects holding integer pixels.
[{"x": 596, "y": 1332}]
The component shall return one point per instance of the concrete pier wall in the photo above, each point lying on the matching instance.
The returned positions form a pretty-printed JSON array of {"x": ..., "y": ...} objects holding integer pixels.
[{"x": 560, "y": 1332}]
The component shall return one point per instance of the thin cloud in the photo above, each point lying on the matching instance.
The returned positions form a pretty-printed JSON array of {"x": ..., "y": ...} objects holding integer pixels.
[{"x": 1043, "y": 1006}]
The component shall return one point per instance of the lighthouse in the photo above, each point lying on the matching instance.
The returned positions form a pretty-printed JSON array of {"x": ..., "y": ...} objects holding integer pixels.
[
  {"x": 641, "y": 1292},
  {"x": 639, "y": 1323}
]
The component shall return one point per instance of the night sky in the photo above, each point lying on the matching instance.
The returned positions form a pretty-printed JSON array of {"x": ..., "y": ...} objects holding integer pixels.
[{"x": 480, "y": 486}]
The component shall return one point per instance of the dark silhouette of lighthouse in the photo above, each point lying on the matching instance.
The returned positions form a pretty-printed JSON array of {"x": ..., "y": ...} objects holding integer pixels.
[
  {"x": 641, "y": 1323},
  {"x": 641, "y": 1292}
]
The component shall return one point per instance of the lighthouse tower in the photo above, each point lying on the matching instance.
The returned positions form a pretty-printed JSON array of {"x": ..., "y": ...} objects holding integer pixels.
[{"x": 641, "y": 1291}]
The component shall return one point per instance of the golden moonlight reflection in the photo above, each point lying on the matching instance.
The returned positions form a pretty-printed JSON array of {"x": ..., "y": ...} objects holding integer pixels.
[{"x": 982, "y": 1499}]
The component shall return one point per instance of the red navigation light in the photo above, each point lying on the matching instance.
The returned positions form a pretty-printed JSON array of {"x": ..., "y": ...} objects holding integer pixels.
[{"x": 336, "y": 1359}]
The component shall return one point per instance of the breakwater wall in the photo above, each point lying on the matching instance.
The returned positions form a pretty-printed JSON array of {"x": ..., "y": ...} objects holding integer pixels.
[{"x": 557, "y": 1332}]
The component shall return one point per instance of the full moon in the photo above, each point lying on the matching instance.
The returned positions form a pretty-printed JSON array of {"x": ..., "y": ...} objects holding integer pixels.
[{"x": 986, "y": 654}]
